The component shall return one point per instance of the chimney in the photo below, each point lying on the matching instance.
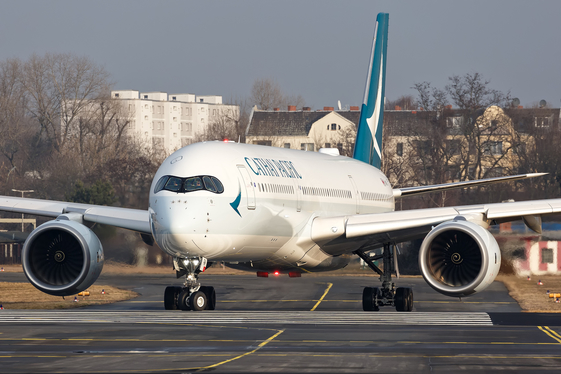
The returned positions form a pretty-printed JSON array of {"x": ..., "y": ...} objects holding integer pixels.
[
  {"x": 306, "y": 109},
  {"x": 397, "y": 107},
  {"x": 328, "y": 108},
  {"x": 448, "y": 106},
  {"x": 292, "y": 108},
  {"x": 520, "y": 107},
  {"x": 353, "y": 108},
  {"x": 276, "y": 109}
]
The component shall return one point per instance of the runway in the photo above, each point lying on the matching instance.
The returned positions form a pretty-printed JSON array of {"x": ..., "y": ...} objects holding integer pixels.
[{"x": 267, "y": 325}]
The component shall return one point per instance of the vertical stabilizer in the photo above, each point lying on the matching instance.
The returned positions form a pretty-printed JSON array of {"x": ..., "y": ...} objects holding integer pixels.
[{"x": 368, "y": 144}]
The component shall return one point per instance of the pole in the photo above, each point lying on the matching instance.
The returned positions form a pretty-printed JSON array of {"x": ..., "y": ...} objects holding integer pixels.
[{"x": 22, "y": 192}]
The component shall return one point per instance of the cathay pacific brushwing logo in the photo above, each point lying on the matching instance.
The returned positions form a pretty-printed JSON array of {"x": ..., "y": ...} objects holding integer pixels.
[
  {"x": 374, "y": 120},
  {"x": 236, "y": 203}
]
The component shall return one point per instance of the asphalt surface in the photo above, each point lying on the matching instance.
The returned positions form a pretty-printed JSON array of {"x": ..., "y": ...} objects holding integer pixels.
[{"x": 266, "y": 325}]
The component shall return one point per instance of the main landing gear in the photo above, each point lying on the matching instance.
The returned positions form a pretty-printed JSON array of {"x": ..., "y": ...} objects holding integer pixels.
[
  {"x": 373, "y": 297},
  {"x": 192, "y": 296}
]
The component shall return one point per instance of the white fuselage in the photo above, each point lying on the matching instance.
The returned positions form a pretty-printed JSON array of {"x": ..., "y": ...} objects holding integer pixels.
[{"x": 271, "y": 197}]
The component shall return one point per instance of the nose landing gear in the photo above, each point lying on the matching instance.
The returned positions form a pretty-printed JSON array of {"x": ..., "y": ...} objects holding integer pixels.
[{"x": 192, "y": 296}]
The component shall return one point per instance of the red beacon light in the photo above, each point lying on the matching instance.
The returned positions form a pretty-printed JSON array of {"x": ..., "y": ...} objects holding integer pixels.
[
  {"x": 226, "y": 140},
  {"x": 276, "y": 273}
]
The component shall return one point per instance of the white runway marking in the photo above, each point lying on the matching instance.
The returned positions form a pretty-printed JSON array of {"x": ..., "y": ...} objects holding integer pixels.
[{"x": 236, "y": 317}]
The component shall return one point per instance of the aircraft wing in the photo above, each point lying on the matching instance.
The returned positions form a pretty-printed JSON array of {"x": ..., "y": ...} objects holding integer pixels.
[
  {"x": 409, "y": 191},
  {"x": 131, "y": 219},
  {"x": 399, "y": 226}
]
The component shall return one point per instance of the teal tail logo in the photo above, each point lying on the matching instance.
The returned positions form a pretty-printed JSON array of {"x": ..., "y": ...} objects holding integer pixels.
[
  {"x": 368, "y": 144},
  {"x": 236, "y": 203}
]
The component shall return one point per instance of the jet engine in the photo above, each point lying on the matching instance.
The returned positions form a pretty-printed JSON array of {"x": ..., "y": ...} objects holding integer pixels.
[
  {"x": 459, "y": 258},
  {"x": 62, "y": 257}
]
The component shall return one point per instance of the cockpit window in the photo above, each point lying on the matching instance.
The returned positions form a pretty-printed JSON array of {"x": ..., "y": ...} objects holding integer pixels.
[
  {"x": 161, "y": 183},
  {"x": 190, "y": 184},
  {"x": 209, "y": 185},
  {"x": 173, "y": 184},
  {"x": 218, "y": 184},
  {"x": 193, "y": 184}
]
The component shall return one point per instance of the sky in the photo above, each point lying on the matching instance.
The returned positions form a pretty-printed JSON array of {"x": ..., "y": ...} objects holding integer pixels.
[{"x": 318, "y": 49}]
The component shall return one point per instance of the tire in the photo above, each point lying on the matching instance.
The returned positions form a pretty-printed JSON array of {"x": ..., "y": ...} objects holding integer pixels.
[
  {"x": 170, "y": 297},
  {"x": 409, "y": 299},
  {"x": 198, "y": 301},
  {"x": 210, "y": 296},
  {"x": 403, "y": 299},
  {"x": 399, "y": 299},
  {"x": 369, "y": 296},
  {"x": 183, "y": 299}
]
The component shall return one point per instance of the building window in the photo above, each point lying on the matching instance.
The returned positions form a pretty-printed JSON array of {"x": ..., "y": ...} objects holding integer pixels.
[
  {"x": 340, "y": 148},
  {"x": 327, "y": 145},
  {"x": 542, "y": 121},
  {"x": 174, "y": 98},
  {"x": 146, "y": 96},
  {"x": 399, "y": 149},
  {"x": 307, "y": 146},
  {"x": 453, "y": 147},
  {"x": 455, "y": 122},
  {"x": 286, "y": 145},
  {"x": 493, "y": 148},
  {"x": 262, "y": 142},
  {"x": 333, "y": 126},
  {"x": 201, "y": 100},
  {"x": 547, "y": 256},
  {"x": 116, "y": 95}
]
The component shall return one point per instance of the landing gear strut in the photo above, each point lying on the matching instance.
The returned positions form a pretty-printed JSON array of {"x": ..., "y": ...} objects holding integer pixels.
[
  {"x": 192, "y": 296},
  {"x": 373, "y": 297}
]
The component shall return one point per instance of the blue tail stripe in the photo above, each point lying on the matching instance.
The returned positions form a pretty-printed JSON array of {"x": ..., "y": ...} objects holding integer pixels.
[{"x": 368, "y": 144}]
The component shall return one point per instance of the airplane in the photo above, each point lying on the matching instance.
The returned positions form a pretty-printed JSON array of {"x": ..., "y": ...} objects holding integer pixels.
[{"x": 267, "y": 209}]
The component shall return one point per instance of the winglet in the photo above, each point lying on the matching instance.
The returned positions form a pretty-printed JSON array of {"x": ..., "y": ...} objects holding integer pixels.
[{"x": 368, "y": 143}]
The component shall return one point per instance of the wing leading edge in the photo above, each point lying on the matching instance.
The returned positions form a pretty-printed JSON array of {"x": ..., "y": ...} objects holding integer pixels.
[
  {"x": 400, "y": 226},
  {"x": 131, "y": 219}
]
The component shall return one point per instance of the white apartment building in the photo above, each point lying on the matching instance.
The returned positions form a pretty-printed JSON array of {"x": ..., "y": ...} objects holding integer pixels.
[{"x": 172, "y": 121}]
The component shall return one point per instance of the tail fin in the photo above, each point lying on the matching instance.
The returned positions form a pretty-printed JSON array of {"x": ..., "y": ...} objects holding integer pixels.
[{"x": 368, "y": 143}]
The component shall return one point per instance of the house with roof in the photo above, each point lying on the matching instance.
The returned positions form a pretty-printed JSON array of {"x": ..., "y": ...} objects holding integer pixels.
[{"x": 304, "y": 129}]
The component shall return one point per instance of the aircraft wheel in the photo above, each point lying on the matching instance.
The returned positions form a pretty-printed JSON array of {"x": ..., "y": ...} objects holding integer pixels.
[
  {"x": 210, "y": 296},
  {"x": 369, "y": 303},
  {"x": 170, "y": 297},
  {"x": 409, "y": 299},
  {"x": 403, "y": 299},
  {"x": 183, "y": 299},
  {"x": 198, "y": 301}
]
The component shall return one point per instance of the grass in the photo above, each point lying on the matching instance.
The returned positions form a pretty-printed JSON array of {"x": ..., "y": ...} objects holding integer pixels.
[
  {"x": 531, "y": 296},
  {"x": 25, "y": 296}
]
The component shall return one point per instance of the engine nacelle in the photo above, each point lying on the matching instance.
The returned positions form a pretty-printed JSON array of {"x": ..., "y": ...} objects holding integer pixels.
[
  {"x": 459, "y": 258},
  {"x": 62, "y": 258}
]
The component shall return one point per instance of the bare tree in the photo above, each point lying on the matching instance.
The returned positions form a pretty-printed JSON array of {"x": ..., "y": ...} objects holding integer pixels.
[
  {"x": 267, "y": 95},
  {"x": 58, "y": 88},
  {"x": 15, "y": 127}
]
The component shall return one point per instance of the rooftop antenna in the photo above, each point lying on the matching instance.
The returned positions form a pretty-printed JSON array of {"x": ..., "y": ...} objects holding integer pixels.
[
  {"x": 515, "y": 102},
  {"x": 339, "y": 104},
  {"x": 543, "y": 103}
]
